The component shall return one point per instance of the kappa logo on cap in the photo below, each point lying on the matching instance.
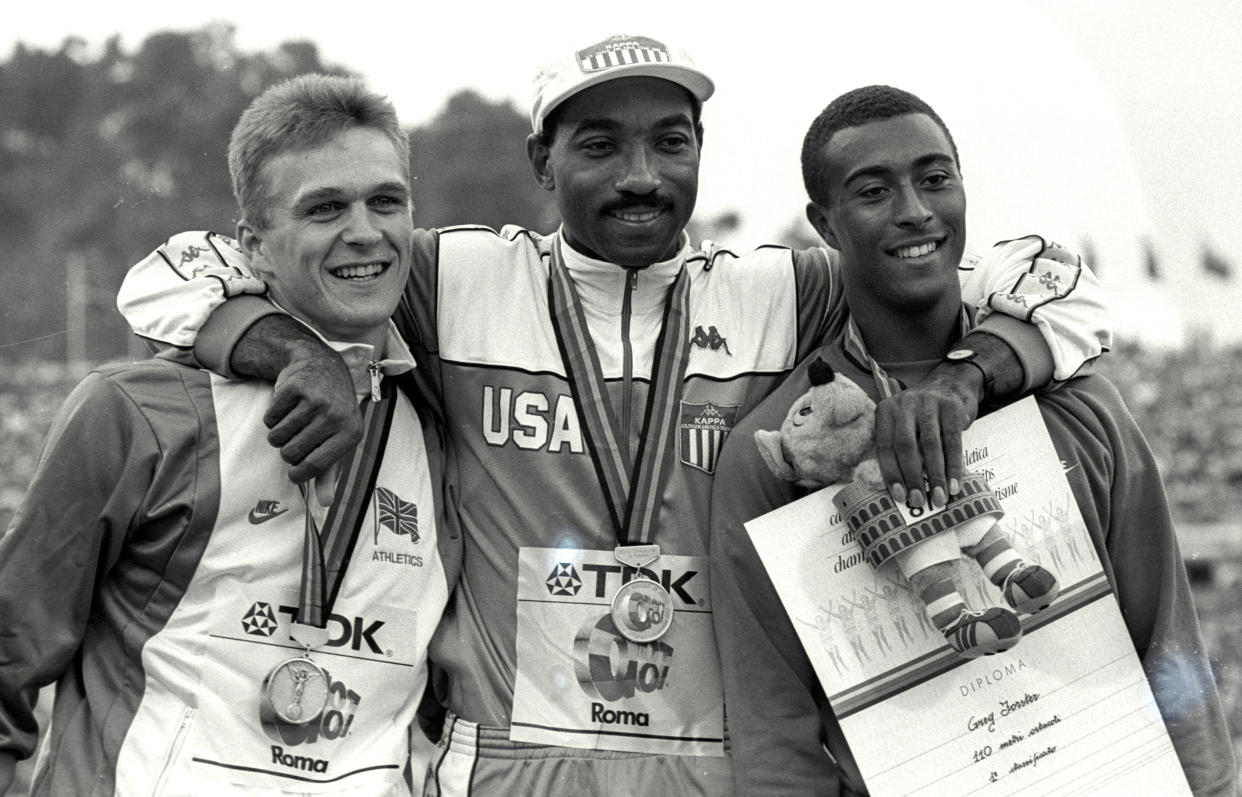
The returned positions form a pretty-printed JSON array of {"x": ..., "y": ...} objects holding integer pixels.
[{"x": 622, "y": 51}]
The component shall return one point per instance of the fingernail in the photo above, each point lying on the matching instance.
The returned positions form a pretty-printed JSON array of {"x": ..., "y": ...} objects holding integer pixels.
[
  {"x": 916, "y": 499},
  {"x": 954, "y": 487},
  {"x": 938, "y": 496},
  {"x": 898, "y": 491}
]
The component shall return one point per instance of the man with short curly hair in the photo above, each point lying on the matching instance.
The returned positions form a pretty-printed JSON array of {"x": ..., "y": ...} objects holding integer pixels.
[{"x": 887, "y": 193}]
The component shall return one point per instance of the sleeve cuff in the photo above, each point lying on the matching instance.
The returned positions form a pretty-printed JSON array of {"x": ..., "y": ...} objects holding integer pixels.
[
  {"x": 225, "y": 327},
  {"x": 1028, "y": 345}
]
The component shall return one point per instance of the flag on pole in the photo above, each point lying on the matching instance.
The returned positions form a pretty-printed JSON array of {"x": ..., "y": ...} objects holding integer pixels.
[
  {"x": 1149, "y": 257},
  {"x": 1215, "y": 264}
]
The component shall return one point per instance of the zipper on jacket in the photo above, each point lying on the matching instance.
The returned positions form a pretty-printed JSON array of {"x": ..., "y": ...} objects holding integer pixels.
[
  {"x": 174, "y": 750},
  {"x": 374, "y": 369},
  {"x": 627, "y": 353}
]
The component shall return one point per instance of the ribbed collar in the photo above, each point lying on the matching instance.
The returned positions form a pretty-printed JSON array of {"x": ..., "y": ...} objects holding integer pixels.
[{"x": 601, "y": 284}]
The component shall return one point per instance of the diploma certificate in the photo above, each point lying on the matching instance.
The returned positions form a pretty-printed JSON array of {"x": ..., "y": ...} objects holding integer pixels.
[{"x": 1066, "y": 711}]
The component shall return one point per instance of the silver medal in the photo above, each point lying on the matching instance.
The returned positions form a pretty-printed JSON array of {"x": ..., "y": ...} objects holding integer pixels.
[{"x": 296, "y": 691}]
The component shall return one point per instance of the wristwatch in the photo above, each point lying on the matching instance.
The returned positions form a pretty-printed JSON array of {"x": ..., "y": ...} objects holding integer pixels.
[{"x": 971, "y": 357}]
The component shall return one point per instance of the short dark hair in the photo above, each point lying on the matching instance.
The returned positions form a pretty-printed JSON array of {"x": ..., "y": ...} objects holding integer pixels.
[
  {"x": 301, "y": 113},
  {"x": 854, "y": 109},
  {"x": 553, "y": 120}
]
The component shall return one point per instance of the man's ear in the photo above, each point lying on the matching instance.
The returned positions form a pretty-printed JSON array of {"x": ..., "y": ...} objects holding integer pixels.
[
  {"x": 251, "y": 242},
  {"x": 248, "y": 238},
  {"x": 538, "y": 152},
  {"x": 817, "y": 214}
]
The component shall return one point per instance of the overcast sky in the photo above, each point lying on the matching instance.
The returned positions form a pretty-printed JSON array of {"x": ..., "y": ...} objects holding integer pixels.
[{"x": 1112, "y": 119}]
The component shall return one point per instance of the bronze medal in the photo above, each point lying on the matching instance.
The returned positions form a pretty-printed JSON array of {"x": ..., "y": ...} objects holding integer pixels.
[{"x": 296, "y": 691}]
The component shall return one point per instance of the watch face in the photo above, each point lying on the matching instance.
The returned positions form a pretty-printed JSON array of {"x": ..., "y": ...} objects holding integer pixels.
[{"x": 960, "y": 354}]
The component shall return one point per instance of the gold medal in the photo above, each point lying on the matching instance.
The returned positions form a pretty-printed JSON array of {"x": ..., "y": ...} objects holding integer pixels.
[
  {"x": 642, "y": 610},
  {"x": 296, "y": 691}
]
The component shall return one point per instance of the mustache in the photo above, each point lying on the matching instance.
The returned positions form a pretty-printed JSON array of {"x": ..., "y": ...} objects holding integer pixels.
[{"x": 639, "y": 203}]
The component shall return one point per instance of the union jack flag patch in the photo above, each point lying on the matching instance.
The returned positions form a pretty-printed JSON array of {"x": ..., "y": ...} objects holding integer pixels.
[
  {"x": 702, "y": 433},
  {"x": 398, "y": 516}
]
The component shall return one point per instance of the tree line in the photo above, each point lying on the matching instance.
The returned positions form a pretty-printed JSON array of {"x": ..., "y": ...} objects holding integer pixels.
[{"x": 105, "y": 153}]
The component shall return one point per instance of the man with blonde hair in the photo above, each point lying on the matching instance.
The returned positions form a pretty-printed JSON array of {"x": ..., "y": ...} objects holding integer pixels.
[{"x": 211, "y": 628}]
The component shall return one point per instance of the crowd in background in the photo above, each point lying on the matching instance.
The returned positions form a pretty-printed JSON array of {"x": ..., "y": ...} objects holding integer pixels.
[
  {"x": 30, "y": 395},
  {"x": 1188, "y": 405}
]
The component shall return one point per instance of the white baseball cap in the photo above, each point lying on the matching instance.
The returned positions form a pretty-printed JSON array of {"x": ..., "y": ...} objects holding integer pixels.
[{"x": 614, "y": 57}]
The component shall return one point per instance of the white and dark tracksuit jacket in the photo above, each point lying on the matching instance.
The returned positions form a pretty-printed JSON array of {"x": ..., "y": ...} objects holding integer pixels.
[
  {"x": 153, "y": 570},
  {"x": 532, "y": 668},
  {"x": 786, "y": 739}
]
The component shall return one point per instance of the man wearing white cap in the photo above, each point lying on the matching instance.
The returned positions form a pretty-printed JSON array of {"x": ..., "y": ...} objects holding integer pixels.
[{"x": 590, "y": 378}]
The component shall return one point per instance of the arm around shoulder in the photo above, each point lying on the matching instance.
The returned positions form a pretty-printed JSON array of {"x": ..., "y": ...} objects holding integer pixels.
[
  {"x": 198, "y": 290},
  {"x": 1046, "y": 285},
  {"x": 314, "y": 418},
  {"x": 168, "y": 295}
]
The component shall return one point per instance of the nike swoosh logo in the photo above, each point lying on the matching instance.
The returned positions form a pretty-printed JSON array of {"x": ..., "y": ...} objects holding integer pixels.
[{"x": 257, "y": 517}]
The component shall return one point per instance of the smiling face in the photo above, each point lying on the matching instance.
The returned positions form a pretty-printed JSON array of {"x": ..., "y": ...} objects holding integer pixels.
[
  {"x": 897, "y": 213},
  {"x": 336, "y": 251},
  {"x": 623, "y": 162}
]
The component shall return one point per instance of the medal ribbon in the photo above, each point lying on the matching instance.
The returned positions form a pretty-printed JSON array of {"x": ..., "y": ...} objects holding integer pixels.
[
  {"x": 856, "y": 352},
  {"x": 326, "y": 552},
  {"x": 631, "y": 490}
]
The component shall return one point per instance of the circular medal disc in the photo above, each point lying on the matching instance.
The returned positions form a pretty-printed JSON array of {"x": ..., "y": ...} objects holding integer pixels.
[
  {"x": 296, "y": 691},
  {"x": 642, "y": 610}
]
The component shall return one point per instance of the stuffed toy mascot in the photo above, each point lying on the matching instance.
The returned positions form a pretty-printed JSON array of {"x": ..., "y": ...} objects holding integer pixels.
[{"x": 828, "y": 437}]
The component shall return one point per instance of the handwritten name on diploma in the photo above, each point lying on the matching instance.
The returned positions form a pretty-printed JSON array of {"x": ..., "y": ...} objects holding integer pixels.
[
  {"x": 987, "y": 723},
  {"x": 1007, "y": 707}
]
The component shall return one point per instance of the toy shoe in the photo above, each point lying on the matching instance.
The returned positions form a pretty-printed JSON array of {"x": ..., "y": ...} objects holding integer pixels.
[
  {"x": 983, "y": 633},
  {"x": 1030, "y": 588}
]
